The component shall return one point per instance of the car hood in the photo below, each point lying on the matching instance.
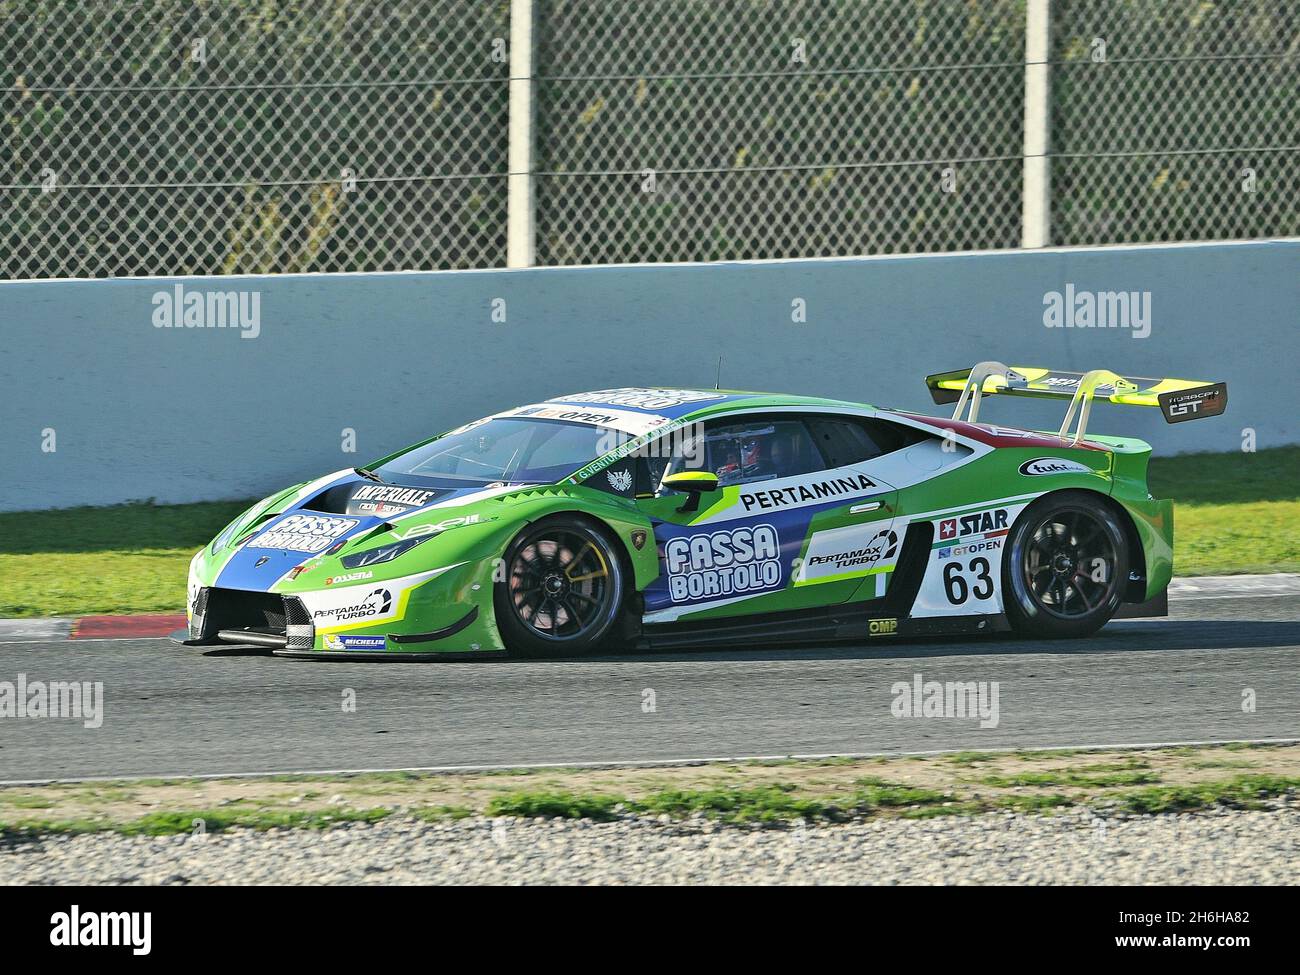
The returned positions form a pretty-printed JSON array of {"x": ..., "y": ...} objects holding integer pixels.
[{"x": 330, "y": 515}]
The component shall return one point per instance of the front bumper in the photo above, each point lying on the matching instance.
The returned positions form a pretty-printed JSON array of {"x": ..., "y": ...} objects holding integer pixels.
[
  {"x": 429, "y": 614},
  {"x": 237, "y": 616}
]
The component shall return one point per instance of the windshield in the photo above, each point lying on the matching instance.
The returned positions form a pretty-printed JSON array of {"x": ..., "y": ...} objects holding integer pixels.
[{"x": 506, "y": 450}]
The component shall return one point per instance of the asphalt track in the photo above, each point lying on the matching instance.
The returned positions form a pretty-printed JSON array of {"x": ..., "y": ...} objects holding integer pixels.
[{"x": 171, "y": 711}]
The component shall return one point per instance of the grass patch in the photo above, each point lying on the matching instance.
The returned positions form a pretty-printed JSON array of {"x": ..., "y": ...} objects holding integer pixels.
[
  {"x": 948, "y": 809},
  {"x": 1038, "y": 780},
  {"x": 441, "y": 814},
  {"x": 27, "y": 802},
  {"x": 876, "y": 793},
  {"x": 763, "y": 804},
  {"x": 1033, "y": 803},
  {"x": 1234, "y": 512},
  {"x": 554, "y": 805},
  {"x": 971, "y": 758},
  {"x": 1227, "y": 478},
  {"x": 1127, "y": 765},
  {"x": 1147, "y": 781},
  {"x": 127, "y": 558},
  {"x": 212, "y": 820},
  {"x": 1242, "y": 792}
]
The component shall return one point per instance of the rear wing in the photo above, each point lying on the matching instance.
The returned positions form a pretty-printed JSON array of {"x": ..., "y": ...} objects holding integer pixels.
[{"x": 1178, "y": 399}]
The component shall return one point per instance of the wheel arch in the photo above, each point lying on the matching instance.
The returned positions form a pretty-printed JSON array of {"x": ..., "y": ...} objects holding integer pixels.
[
  {"x": 641, "y": 567},
  {"x": 1134, "y": 589}
]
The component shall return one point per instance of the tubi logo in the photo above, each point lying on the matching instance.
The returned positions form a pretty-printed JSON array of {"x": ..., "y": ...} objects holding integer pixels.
[
  {"x": 1051, "y": 465},
  {"x": 73, "y": 929},
  {"x": 180, "y": 308}
]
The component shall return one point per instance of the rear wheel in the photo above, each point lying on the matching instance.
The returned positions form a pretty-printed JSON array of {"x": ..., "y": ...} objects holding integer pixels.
[
  {"x": 563, "y": 589},
  {"x": 1066, "y": 568}
]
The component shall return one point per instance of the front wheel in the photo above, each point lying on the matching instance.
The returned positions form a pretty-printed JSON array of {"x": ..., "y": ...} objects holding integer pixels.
[
  {"x": 562, "y": 589},
  {"x": 1066, "y": 568}
]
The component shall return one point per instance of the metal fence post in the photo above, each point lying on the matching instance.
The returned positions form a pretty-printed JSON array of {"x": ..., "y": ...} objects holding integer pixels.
[
  {"x": 1036, "y": 216},
  {"x": 520, "y": 243}
]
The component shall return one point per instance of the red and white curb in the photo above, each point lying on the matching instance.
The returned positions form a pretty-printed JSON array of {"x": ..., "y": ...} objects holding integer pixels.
[
  {"x": 152, "y": 625},
  {"x": 91, "y": 628}
]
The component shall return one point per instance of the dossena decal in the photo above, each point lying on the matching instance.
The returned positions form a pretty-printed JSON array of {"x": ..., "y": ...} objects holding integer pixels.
[
  {"x": 814, "y": 491},
  {"x": 723, "y": 563},
  {"x": 1052, "y": 465},
  {"x": 304, "y": 533},
  {"x": 349, "y": 577}
]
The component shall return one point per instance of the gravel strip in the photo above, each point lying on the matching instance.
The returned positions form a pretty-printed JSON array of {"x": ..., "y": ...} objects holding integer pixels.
[{"x": 1077, "y": 847}]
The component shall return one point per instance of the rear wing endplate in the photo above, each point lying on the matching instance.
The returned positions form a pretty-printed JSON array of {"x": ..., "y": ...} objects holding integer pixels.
[{"x": 1178, "y": 399}]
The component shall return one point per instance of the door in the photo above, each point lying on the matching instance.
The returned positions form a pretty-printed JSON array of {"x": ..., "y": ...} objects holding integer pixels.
[{"x": 789, "y": 527}]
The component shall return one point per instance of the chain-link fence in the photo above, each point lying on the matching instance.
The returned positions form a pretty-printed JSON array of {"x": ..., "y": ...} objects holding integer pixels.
[
  {"x": 1175, "y": 120},
  {"x": 226, "y": 136},
  {"x": 697, "y": 131},
  {"x": 231, "y": 136}
]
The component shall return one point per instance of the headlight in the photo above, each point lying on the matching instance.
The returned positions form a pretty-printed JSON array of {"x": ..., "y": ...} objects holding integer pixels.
[
  {"x": 384, "y": 553},
  {"x": 391, "y": 550}
]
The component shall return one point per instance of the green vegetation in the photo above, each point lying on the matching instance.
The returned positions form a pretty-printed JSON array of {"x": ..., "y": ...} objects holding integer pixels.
[
  {"x": 1077, "y": 779},
  {"x": 1146, "y": 782},
  {"x": 1235, "y": 513},
  {"x": 1242, "y": 792},
  {"x": 198, "y": 821},
  {"x": 970, "y": 758},
  {"x": 127, "y": 558},
  {"x": 563, "y": 805}
]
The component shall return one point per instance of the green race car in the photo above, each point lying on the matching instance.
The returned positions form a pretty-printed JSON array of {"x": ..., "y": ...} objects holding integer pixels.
[{"x": 676, "y": 517}]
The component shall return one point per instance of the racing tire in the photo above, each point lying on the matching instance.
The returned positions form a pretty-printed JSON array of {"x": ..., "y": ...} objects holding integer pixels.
[
  {"x": 1066, "y": 566},
  {"x": 562, "y": 590}
]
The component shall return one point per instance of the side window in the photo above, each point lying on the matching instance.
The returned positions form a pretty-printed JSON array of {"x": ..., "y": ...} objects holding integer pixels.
[
  {"x": 752, "y": 449},
  {"x": 845, "y": 441}
]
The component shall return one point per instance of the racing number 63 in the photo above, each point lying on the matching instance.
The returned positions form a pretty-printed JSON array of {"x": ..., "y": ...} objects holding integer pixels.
[{"x": 959, "y": 590}]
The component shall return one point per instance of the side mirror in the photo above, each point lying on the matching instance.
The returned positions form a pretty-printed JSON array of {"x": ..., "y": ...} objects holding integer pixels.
[{"x": 694, "y": 483}]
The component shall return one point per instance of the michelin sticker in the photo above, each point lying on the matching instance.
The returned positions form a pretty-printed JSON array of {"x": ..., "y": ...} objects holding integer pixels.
[
  {"x": 332, "y": 642},
  {"x": 719, "y": 564}
]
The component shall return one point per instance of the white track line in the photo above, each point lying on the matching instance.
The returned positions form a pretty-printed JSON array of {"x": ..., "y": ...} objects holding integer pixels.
[{"x": 656, "y": 762}]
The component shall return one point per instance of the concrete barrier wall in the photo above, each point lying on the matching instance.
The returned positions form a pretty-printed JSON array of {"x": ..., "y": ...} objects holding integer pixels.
[{"x": 139, "y": 410}]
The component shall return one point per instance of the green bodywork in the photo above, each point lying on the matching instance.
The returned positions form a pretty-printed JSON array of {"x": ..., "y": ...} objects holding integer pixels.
[{"x": 468, "y": 544}]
